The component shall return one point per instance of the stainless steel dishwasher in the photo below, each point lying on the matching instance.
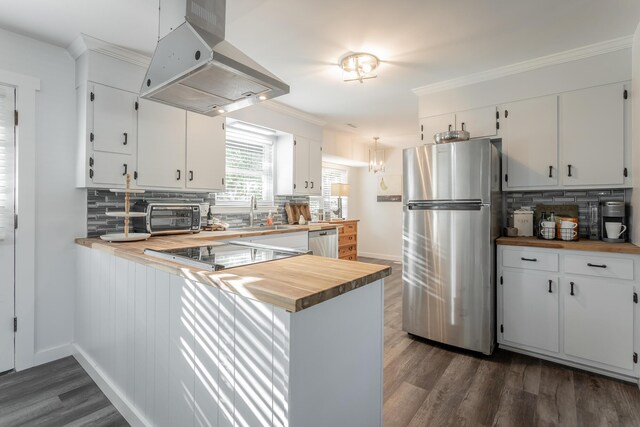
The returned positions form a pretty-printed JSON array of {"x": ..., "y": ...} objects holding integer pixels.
[{"x": 324, "y": 243}]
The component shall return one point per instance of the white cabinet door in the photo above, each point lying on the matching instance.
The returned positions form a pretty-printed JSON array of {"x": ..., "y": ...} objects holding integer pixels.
[
  {"x": 315, "y": 168},
  {"x": 598, "y": 320},
  {"x": 161, "y": 145},
  {"x": 530, "y": 142},
  {"x": 429, "y": 126},
  {"x": 111, "y": 168},
  {"x": 479, "y": 122},
  {"x": 530, "y": 309},
  {"x": 113, "y": 116},
  {"x": 301, "y": 165},
  {"x": 592, "y": 136},
  {"x": 206, "y": 147}
]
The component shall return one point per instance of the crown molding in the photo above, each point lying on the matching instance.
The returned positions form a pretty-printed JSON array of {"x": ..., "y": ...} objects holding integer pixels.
[
  {"x": 294, "y": 112},
  {"x": 84, "y": 42},
  {"x": 529, "y": 65}
]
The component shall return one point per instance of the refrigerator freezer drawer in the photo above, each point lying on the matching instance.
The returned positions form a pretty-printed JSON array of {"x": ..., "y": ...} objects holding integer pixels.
[{"x": 449, "y": 291}]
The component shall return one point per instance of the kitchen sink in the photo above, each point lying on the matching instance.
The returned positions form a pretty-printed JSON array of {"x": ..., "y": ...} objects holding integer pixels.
[{"x": 266, "y": 228}]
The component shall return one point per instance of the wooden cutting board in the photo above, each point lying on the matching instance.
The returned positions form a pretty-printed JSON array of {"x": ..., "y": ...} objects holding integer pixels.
[{"x": 294, "y": 210}]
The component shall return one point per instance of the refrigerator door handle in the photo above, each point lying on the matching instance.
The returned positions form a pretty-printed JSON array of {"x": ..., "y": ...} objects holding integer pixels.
[{"x": 466, "y": 205}]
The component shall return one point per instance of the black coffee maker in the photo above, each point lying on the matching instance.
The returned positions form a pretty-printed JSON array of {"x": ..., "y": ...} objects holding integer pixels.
[{"x": 613, "y": 213}]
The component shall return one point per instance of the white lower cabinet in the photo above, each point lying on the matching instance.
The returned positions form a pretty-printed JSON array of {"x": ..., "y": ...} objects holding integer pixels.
[
  {"x": 534, "y": 328},
  {"x": 584, "y": 314},
  {"x": 598, "y": 320}
]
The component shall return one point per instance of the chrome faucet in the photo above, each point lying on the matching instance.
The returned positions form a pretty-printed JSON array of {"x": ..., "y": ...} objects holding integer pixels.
[{"x": 252, "y": 210}]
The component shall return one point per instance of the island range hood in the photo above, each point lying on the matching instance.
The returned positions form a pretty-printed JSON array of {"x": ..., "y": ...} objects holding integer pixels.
[{"x": 195, "y": 68}]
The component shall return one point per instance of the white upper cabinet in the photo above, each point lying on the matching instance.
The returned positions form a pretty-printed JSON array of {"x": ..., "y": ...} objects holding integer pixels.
[
  {"x": 592, "y": 136},
  {"x": 161, "y": 145},
  {"x": 315, "y": 168},
  {"x": 301, "y": 165},
  {"x": 298, "y": 166},
  {"x": 206, "y": 147},
  {"x": 110, "y": 169},
  {"x": 530, "y": 143},
  {"x": 113, "y": 119},
  {"x": 430, "y": 126},
  {"x": 479, "y": 122}
]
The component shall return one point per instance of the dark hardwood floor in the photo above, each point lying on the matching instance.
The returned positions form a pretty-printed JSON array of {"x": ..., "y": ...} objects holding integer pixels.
[
  {"x": 56, "y": 394},
  {"x": 425, "y": 384}
]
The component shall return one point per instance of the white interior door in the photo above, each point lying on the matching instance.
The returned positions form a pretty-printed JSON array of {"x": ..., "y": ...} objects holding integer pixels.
[{"x": 7, "y": 174}]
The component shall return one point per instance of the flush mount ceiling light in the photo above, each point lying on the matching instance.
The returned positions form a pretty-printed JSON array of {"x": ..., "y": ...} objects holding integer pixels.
[
  {"x": 359, "y": 66},
  {"x": 376, "y": 157}
]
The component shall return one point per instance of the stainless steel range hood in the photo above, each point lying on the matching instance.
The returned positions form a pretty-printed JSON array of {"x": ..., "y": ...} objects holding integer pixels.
[{"x": 194, "y": 68}]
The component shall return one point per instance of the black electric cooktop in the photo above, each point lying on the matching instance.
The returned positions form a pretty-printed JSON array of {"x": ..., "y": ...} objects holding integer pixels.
[{"x": 223, "y": 256}]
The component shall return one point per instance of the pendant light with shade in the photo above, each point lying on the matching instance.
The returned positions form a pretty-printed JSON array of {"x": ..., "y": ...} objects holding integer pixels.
[{"x": 376, "y": 157}]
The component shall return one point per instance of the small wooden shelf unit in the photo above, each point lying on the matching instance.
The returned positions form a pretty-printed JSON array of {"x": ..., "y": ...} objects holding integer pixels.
[{"x": 348, "y": 239}]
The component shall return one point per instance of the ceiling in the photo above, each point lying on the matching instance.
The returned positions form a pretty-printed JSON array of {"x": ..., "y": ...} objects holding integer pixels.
[{"x": 419, "y": 41}]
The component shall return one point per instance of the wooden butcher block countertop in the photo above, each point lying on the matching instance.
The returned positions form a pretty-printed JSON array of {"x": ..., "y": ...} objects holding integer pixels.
[
  {"x": 292, "y": 283},
  {"x": 580, "y": 245}
]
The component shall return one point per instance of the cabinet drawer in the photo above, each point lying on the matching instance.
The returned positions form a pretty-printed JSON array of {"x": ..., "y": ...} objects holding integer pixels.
[
  {"x": 348, "y": 229},
  {"x": 617, "y": 268},
  {"x": 347, "y": 250},
  {"x": 523, "y": 258},
  {"x": 352, "y": 257},
  {"x": 346, "y": 239}
]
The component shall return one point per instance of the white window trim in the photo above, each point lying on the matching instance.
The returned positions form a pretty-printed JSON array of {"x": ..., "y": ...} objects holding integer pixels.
[
  {"x": 26, "y": 88},
  {"x": 241, "y": 206}
]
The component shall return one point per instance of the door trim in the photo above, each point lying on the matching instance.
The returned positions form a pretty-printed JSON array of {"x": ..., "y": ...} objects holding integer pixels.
[{"x": 25, "y": 206}]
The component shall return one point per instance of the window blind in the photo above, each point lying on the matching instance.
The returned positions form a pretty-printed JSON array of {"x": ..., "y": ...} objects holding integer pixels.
[
  {"x": 249, "y": 167},
  {"x": 328, "y": 203}
]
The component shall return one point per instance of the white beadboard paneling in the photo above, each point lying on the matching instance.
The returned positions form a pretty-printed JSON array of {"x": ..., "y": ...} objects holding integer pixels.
[
  {"x": 120, "y": 323},
  {"x": 281, "y": 333},
  {"x": 181, "y": 352},
  {"x": 227, "y": 338},
  {"x": 207, "y": 358},
  {"x": 161, "y": 326},
  {"x": 253, "y": 364},
  {"x": 141, "y": 333},
  {"x": 151, "y": 342},
  {"x": 130, "y": 331}
]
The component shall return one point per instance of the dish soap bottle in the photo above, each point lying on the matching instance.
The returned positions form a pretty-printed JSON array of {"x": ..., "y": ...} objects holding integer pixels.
[
  {"x": 269, "y": 219},
  {"x": 209, "y": 216}
]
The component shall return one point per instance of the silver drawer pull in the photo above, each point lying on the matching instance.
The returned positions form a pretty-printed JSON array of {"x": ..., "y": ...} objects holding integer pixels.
[
  {"x": 597, "y": 265},
  {"x": 529, "y": 259}
]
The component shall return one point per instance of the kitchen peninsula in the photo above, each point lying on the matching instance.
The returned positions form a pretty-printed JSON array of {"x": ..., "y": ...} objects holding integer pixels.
[{"x": 295, "y": 341}]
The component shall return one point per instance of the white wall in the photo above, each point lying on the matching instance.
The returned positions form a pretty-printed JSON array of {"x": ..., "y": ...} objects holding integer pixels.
[
  {"x": 635, "y": 138},
  {"x": 380, "y": 227},
  {"x": 60, "y": 208}
]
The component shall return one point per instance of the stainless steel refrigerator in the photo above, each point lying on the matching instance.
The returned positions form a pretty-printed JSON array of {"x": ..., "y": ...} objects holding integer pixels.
[{"x": 451, "y": 215}]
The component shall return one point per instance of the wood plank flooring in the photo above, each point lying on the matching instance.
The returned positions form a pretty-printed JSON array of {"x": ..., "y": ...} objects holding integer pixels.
[
  {"x": 59, "y": 393},
  {"x": 427, "y": 384}
]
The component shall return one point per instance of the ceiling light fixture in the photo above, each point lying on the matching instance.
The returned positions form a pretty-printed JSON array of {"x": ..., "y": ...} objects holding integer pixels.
[
  {"x": 359, "y": 66},
  {"x": 376, "y": 157}
]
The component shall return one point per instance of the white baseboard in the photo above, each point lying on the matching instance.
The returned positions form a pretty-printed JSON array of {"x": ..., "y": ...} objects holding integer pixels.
[
  {"x": 115, "y": 396},
  {"x": 386, "y": 257},
  {"x": 51, "y": 354}
]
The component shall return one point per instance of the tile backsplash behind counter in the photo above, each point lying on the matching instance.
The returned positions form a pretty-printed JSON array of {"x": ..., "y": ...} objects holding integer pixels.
[
  {"x": 582, "y": 198},
  {"x": 101, "y": 201}
]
